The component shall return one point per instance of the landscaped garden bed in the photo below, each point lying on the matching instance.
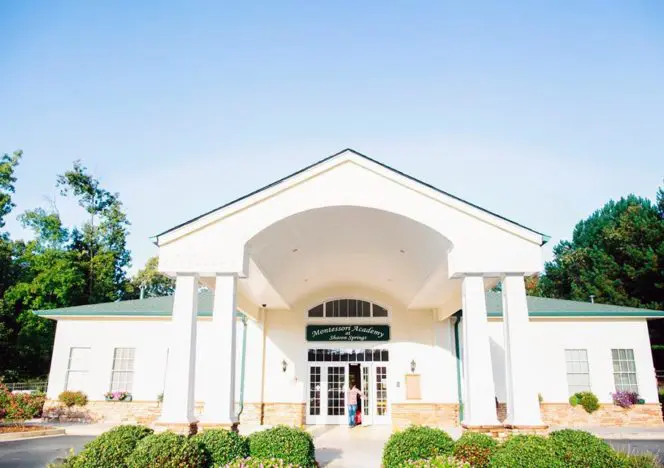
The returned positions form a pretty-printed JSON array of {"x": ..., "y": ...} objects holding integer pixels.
[
  {"x": 134, "y": 446},
  {"x": 420, "y": 446},
  {"x": 16, "y": 409}
]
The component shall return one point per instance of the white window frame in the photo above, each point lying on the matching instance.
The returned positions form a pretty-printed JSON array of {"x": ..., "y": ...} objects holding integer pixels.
[
  {"x": 127, "y": 370},
  {"x": 82, "y": 371},
  {"x": 576, "y": 367},
  {"x": 625, "y": 365}
]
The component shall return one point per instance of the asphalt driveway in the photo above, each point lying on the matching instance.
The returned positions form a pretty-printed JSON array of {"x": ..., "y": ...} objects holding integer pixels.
[{"x": 37, "y": 453}]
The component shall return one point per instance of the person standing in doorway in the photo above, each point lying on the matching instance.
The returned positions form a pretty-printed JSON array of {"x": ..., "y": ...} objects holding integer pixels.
[{"x": 352, "y": 403}]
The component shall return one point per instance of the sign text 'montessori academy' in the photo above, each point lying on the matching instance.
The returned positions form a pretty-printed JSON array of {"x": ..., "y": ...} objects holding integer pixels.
[{"x": 348, "y": 332}]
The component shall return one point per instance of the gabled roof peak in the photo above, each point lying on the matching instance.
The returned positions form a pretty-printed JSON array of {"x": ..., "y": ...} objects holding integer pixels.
[{"x": 350, "y": 152}]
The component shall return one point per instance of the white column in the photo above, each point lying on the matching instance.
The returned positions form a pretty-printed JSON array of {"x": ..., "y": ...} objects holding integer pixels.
[
  {"x": 219, "y": 391},
  {"x": 178, "y": 405},
  {"x": 479, "y": 401},
  {"x": 522, "y": 402}
]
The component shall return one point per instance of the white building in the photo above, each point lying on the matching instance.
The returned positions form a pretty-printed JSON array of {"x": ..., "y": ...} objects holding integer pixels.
[{"x": 350, "y": 270}]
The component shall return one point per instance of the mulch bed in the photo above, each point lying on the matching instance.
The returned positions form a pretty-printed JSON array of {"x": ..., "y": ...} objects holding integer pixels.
[{"x": 22, "y": 428}]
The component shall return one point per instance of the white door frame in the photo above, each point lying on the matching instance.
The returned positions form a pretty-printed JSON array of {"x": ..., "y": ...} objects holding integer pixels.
[{"x": 369, "y": 415}]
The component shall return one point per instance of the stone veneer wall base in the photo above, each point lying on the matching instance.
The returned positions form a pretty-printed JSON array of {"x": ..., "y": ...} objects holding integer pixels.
[
  {"x": 289, "y": 414},
  {"x": 426, "y": 414},
  {"x": 608, "y": 415}
]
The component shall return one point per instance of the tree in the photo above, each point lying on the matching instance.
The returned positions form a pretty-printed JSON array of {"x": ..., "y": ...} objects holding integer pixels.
[
  {"x": 101, "y": 244},
  {"x": 615, "y": 255},
  {"x": 151, "y": 281},
  {"x": 61, "y": 266}
]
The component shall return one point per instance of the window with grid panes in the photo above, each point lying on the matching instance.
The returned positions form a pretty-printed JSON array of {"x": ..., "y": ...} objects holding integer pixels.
[
  {"x": 77, "y": 368},
  {"x": 578, "y": 372},
  {"x": 624, "y": 370},
  {"x": 122, "y": 376},
  {"x": 347, "y": 308}
]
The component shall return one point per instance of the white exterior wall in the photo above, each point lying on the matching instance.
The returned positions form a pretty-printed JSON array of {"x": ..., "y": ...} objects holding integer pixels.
[
  {"x": 415, "y": 335},
  {"x": 150, "y": 338},
  {"x": 550, "y": 338}
]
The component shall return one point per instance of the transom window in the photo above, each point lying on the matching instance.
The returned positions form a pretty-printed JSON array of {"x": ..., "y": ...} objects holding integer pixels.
[
  {"x": 347, "y": 308},
  {"x": 348, "y": 355}
]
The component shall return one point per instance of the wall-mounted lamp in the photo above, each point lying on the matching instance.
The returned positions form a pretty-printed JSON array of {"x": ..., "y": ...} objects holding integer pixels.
[
  {"x": 413, "y": 364},
  {"x": 284, "y": 365}
]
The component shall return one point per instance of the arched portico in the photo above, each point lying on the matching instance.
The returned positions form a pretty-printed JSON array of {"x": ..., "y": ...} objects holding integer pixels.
[{"x": 350, "y": 220}]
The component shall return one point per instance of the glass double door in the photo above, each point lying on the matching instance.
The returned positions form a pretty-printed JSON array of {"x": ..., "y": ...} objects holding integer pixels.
[{"x": 328, "y": 385}]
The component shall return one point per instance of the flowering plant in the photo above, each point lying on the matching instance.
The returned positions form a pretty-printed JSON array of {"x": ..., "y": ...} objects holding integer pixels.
[
  {"x": 625, "y": 399},
  {"x": 118, "y": 396}
]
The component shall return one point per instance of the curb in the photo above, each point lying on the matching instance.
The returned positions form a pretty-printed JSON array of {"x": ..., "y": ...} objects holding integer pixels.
[
  {"x": 633, "y": 436},
  {"x": 31, "y": 434}
]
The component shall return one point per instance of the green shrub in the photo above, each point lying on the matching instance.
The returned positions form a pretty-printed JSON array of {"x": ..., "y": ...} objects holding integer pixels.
[
  {"x": 573, "y": 400},
  {"x": 69, "y": 398},
  {"x": 223, "y": 446},
  {"x": 260, "y": 463},
  {"x": 581, "y": 449},
  {"x": 476, "y": 449},
  {"x": 438, "y": 462},
  {"x": 17, "y": 407},
  {"x": 416, "y": 443},
  {"x": 167, "y": 450},
  {"x": 112, "y": 448},
  {"x": 290, "y": 444},
  {"x": 529, "y": 451},
  {"x": 588, "y": 400}
]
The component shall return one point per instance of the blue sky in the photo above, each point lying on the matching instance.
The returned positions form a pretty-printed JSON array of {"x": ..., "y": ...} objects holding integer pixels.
[{"x": 540, "y": 111}]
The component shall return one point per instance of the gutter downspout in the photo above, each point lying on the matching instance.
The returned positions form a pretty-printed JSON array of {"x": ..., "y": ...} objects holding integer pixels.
[
  {"x": 457, "y": 350},
  {"x": 243, "y": 317}
]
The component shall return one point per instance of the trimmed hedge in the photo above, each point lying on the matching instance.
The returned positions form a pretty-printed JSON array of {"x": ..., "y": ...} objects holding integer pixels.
[
  {"x": 260, "y": 463},
  {"x": 167, "y": 450},
  {"x": 69, "y": 398},
  {"x": 438, "y": 462},
  {"x": 292, "y": 445},
  {"x": 476, "y": 449},
  {"x": 416, "y": 443},
  {"x": 581, "y": 449},
  {"x": 526, "y": 451},
  {"x": 112, "y": 448},
  {"x": 222, "y": 446}
]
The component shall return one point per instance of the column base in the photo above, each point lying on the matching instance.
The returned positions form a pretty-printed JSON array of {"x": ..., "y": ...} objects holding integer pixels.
[{"x": 179, "y": 428}]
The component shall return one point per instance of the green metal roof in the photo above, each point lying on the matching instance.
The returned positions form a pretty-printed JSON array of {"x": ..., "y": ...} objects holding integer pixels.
[
  {"x": 547, "y": 307},
  {"x": 537, "y": 307}
]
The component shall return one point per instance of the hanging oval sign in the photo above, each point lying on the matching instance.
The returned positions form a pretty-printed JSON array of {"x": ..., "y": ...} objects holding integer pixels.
[{"x": 348, "y": 332}]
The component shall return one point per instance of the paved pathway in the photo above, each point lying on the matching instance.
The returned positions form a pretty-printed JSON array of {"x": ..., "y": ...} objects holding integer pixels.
[{"x": 361, "y": 446}]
